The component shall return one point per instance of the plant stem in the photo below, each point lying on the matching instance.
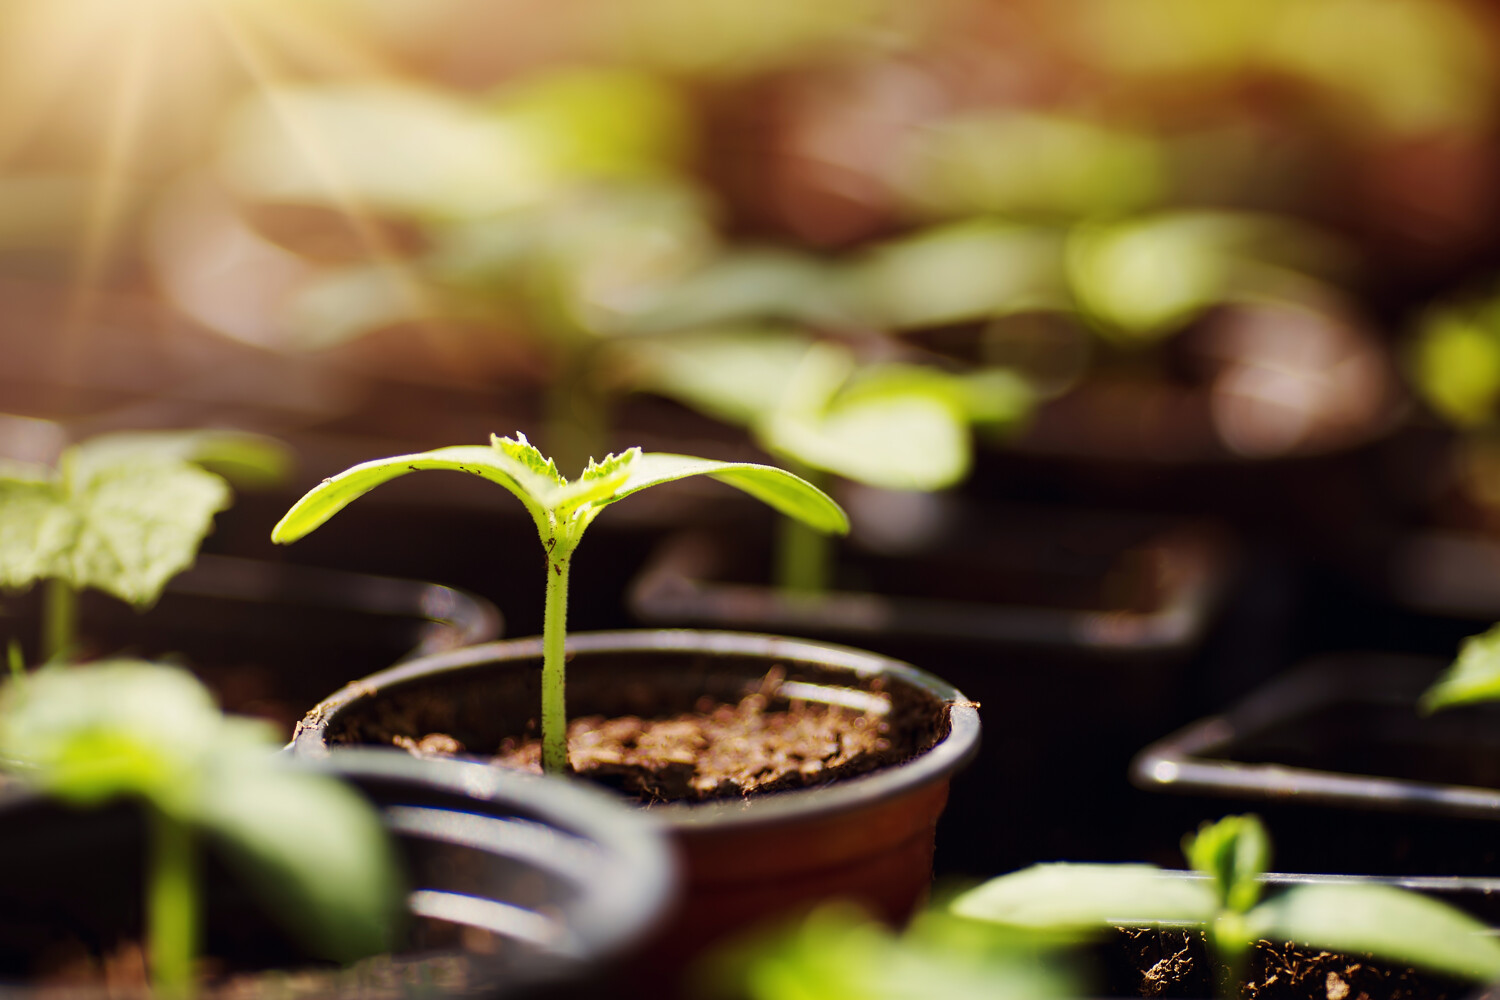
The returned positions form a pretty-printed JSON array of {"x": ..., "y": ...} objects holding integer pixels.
[
  {"x": 804, "y": 556},
  {"x": 59, "y": 619},
  {"x": 554, "y": 636},
  {"x": 172, "y": 905}
]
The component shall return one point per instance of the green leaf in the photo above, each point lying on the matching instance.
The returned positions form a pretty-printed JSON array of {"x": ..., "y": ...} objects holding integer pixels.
[
  {"x": 137, "y": 526},
  {"x": 515, "y": 465},
  {"x": 1084, "y": 898},
  {"x": 242, "y": 458},
  {"x": 310, "y": 849},
  {"x": 788, "y": 494},
  {"x": 1234, "y": 852},
  {"x": 735, "y": 375},
  {"x": 1473, "y": 676},
  {"x": 35, "y": 528},
  {"x": 1390, "y": 923},
  {"x": 116, "y": 727}
]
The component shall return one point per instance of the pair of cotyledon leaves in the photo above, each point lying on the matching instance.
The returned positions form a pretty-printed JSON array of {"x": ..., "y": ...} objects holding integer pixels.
[
  {"x": 563, "y": 509},
  {"x": 126, "y": 512},
  {"x": 311, "y": 849},
  {"x": 1356, "y": 917}
]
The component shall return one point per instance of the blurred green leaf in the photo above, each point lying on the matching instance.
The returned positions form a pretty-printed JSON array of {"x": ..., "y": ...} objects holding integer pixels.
[
  {"x": 748, "y": 286},
  {"x": 125, "y": 512},
  {"x": 1473, "y": 676},
  {"x": 961, "y": 272},
  {"x": 1393, "y": 924},
  {"x": 1034, "y": 165},
  {"x": 735, "y": 375},
  {"x": 1456, "y": 362},
  {"x": 839, "y": 953},
  {"x": 386, "y": 147},
  {"x": 1084, "y": 899},
  {"x": 311, "y": 850},
  {"x": 1234, "y": 852}
]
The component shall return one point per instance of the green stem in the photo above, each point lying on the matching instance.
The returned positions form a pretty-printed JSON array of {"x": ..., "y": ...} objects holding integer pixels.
[
  {"x": 172, "y": 905},
  {"x": 59, "y": 619},
  {"x": 804, "y": 556},
  {"x": 554, "y": 636},
  {"x": 577, "y": 419}
]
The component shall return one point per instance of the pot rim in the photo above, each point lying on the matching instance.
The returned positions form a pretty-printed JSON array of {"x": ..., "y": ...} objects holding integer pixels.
[{"x": 935, "y": 764}]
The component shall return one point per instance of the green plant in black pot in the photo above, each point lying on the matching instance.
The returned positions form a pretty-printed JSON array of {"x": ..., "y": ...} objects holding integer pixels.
[
  {"x": 561, "y": 511},
  {"x": 1231, "y": 855},
  {"x": 310, "y": 849},
  {"x": 122, "y": 513}
]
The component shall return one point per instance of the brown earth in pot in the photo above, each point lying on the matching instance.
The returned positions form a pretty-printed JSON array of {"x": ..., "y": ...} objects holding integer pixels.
[
  {"x": 1175, "y": 963},
  {"x": 769, "y": 740}
]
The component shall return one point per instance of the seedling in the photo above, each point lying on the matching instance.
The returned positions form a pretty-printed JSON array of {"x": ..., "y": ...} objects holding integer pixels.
[
  {"x": 123, "y": 513},
  {"x": 312, "y": 850},
  {"x": 1355, "y": 917},
  {"x": 814, "y": 406},
  {"x": 561, "y": 511}
]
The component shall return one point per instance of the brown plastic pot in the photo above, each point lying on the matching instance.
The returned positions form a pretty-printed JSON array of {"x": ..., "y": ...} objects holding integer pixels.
[{"x": 746, "y": 861}]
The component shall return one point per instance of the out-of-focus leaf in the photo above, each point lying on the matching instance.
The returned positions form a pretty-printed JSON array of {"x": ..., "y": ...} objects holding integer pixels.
[
  {"x": 1036, "y": 165},
  {"x": 597, "y": 123},
  {"x": 748, "y": 286},
  {"x": 1473, "y": 676},
  {"x": 35, "y": 528},
  {"x": 243, "y": 458},
  {"x": 1085, "y": 898},
  {"x": 1393, "y": 924},
  {"x": 310, "y": 849},
  {"x": 1456, "y": 362},
  {"x": 343, "y": 304},
  {"x": 1234, "y": 852},
  {"x": 839, "y": 953},
  {"x": 387, "y": 147},
  {"x": 735, "y": 375},
  {"x": 961, "y": 272},
  {"x": 118, "y": 727}
]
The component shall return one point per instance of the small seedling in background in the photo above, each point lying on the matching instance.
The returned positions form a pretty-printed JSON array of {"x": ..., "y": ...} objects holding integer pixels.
[
  {"x": 890, "y": 425},
  {"x": 1358, "y": 918},
  {"x": 561, "y": 511},
  {"x": 309, "y": 848},
  {"x": 123, "y": 513}
]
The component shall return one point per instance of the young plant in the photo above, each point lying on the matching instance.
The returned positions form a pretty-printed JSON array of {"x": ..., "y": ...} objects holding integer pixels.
[
  {"x": 1232, "y": 855},
  {"x": 121, "y": 512},
  {"x": 890, "y": 425},
  {"x": 562, "y": 510},
  {"x": 312, "y": 850}
]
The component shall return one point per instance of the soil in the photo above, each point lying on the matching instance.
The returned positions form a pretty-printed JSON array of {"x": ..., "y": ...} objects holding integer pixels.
[
  {"x": 1174, "y": 963},
  {"x": 764, "y": 742}
]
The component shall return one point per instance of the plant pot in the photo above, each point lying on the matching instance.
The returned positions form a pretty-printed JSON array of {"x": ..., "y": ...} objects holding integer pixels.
[
  {"x": 520, "y": 886},
  {"x": 1345, "y": 769},
  {"x": 269, "y": 638},
  {"x": 745, "y": 860},
  {"x": 1020, "y": 608},
  {"x": 1166, "y": 962}
]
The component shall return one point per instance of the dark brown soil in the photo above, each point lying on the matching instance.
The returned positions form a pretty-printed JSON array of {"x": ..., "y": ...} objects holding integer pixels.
[
  {"x": 1174, "y": 963},
  {"x": 765, "y": 742}
]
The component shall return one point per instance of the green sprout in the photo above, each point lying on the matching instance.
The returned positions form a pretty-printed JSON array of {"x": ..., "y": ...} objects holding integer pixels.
[
  {"x": 561, "y": 511},
  {"x": 123, "y": 513},
  {"x": 815, "y": 407},
  {"x": 1074, "y": 900},
  {"x": 309, "y": 848}
]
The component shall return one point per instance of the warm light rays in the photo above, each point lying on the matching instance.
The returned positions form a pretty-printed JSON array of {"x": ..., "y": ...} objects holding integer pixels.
[
  {"x": 265, "y": 77},
  {"x": 137, "y": 91}
]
